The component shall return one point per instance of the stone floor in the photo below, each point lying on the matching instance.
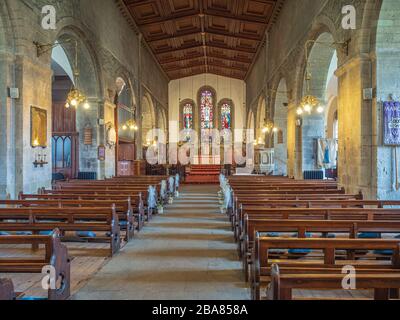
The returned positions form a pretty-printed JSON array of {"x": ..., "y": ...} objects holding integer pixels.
[{"x": 188, "y": 253}]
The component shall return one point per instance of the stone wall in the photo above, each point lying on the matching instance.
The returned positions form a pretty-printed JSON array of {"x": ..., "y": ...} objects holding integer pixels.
[{"x": 113, "y": 47}]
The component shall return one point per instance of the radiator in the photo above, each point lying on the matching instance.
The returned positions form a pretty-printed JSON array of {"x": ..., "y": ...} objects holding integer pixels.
[
  {"x": 87, "y": 176},
  {"x": 313, "y": 175}
]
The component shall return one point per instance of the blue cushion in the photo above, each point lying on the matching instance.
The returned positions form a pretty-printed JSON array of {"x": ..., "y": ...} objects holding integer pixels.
[
  {"x": 331, "y": 236},
  {"x": 299, "y": 251},
  {"x": 384, "y": 252},
  {"x": 123, "y": 223},
  {"x": 2, "y": 233},
  {"x": 369, "y": 235},
  {"x": 296, "y": 235},
  {"x": 398, "y": 236},
  {"x": 272, "y": 234},
  {"x": 24, "y": 233},
  {"x": 45, "y": 233},
  {"x": 86, "y": 234},
  {"x": 33, "y": 299}
]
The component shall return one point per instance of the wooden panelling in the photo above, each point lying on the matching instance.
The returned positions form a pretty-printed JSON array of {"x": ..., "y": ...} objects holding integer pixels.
[
  {"x": 63, "y": 119},
  {"x": 189, "y": 37}
]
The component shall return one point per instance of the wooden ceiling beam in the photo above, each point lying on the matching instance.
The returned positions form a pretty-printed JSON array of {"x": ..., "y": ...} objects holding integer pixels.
[
  {"x": 199, "y": 32},
  {"x": 182, "y": 48},
  {"x": 168, "y": 61}
]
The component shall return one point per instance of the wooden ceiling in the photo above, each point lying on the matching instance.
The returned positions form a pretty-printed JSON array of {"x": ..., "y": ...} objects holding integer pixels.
[{"x": 190, "y": 37}]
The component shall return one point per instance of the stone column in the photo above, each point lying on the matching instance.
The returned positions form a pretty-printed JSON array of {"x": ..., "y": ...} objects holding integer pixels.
[
  {"x": 34, "y": 80},
  {"x": 356, "y": 161},
  {"x": 7, "y": 114},
  {"x": 139, "y": 144}
]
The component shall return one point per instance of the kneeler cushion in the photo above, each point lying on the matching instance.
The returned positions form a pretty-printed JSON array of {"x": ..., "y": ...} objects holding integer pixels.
[
  {"x": 45, "y": 233},
  {"x": 2, "y": 233},
  {"x": 24, "y": 233},
  {"x": 369, "y": 235},
  {"x": 86, "y": 234}
]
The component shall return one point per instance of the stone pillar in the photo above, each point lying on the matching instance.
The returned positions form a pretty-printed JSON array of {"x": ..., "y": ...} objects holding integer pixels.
[
  {"x": 139, "y": 143},
  {"x": 356, "y": 161},
  {"x": 34, "y": 80},
  {"x": 7, "y": 114},
  {"x": 291, "y": 141}
]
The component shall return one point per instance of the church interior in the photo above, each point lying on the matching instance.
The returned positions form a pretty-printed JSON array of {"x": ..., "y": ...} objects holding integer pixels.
[{"x": 192, "y": 150}]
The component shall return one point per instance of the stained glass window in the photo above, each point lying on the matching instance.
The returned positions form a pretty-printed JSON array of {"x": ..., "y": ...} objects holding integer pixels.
[
  {"x": 226, "y": 116},
  {"x": 207, "y": 110},
  {"x": 188, "y": 116}
]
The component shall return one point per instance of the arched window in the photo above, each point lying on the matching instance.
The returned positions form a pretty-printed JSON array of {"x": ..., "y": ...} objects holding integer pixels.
[
  {"x": 226, "y": 116},
  {"x": 188, "y": 116},
  {"x": 206, "y": 110}
]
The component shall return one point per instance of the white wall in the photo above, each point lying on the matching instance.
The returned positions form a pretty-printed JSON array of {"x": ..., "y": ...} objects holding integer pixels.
[{"x": 187, "y": 88}]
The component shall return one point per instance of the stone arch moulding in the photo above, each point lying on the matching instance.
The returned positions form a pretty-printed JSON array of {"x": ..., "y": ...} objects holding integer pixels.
[
  {"x": 322, "y": 25},
  {"x": 232, "y": 105},
  {"x": 215, "y": 109},
  {"x": 195, "y": 110},
  {"x": 84, "y": 43}
]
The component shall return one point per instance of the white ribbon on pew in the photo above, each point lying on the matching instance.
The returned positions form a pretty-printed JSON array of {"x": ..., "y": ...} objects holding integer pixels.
[
  {"x": 163, "y": 191},
  {"x": 152, "y": 198},
  {"x": 171, "y": 182}
]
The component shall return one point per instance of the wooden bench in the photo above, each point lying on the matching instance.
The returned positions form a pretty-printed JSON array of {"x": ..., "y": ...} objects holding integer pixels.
[
  {"x": 56, "y": 255},
  {"x": 282, "y": 285},
  {"x": 316, "y": 214},
  {"x": 301, "y": 228},
  {"x": 38, "y": 220},
  {"x": 123, "y": 208},
  {"x": 262, "y": 261}
]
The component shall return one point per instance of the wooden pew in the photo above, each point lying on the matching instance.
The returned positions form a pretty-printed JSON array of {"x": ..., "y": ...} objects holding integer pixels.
[
  {"x": 262, "y": 262},
  {"x": 350, "y": 229},
  {"x": 123, "y": 208},
  {"x": 282, "y": 285},
  {"x": 56, "y": 255},
  {"x": 316, "y": 214},
  {"x": 87, "y": 194},
  {"x": 65, "y": 219}
]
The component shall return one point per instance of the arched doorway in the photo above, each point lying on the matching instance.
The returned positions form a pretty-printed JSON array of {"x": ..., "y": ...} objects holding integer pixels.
[
  {"x": 280, "y": 122},
  {"x": 318, "y": 152},
  {"x": 75, "y": 135},
  {"x": 125, "y": 121}
]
